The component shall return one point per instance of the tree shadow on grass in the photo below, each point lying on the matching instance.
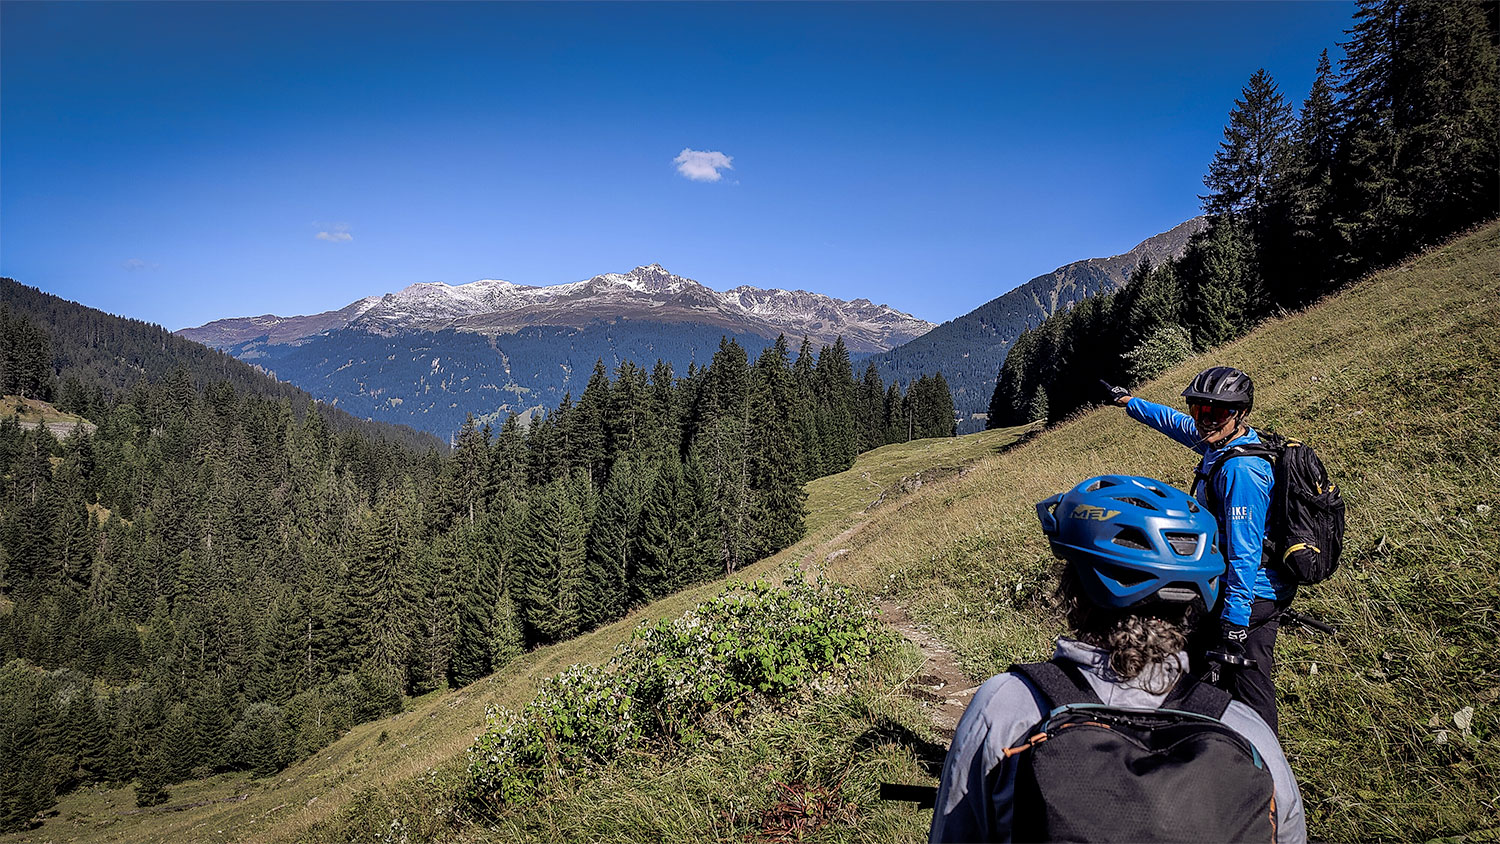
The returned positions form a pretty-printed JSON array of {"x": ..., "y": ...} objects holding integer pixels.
[{"x": 929, "y": 754}]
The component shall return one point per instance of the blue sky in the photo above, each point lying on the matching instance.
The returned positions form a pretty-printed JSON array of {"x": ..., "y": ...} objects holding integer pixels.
[{"x": 182, "y": 162}]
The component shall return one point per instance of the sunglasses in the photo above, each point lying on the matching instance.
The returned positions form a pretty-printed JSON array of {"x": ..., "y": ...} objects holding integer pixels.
[{"x": 1210, "y": 417}]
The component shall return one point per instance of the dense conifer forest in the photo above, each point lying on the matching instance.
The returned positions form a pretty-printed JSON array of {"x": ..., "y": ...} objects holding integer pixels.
[
  {"x": 82, "y": 355},
  {"x": 216, "y": 578},
  {"x": 1397, "y": 151}
]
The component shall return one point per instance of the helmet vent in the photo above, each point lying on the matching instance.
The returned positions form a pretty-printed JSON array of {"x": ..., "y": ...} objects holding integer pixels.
[
  {"x": 1185, "y": 544},
  {"x": 1138, "y": 502},
  {"x": 1099, "y": 484},
  {"x": 1123, "y": 575},
  {"x": 1132, "y": 538}
]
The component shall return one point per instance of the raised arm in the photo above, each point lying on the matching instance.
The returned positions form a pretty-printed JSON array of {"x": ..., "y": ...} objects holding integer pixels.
[{"x": 1174, "y": 423}]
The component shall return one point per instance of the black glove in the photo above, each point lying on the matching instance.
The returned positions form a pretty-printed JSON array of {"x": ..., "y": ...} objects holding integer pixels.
[
  {"x": 1232, "y": 638},
  {"x": 1115, "y": 393}
]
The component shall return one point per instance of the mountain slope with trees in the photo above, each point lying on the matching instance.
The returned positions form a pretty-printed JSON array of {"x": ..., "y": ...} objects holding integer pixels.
[
  {"x": 208, "y": 580},
  {"x": 77, "y": 357},
  {"x": 1379, "y": 377},
  {"x": 968, "y": 350},
  {"x": 1398, "y": 151}
]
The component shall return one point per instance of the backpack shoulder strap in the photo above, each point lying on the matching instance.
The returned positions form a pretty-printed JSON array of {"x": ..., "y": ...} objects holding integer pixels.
[
  {"x": 1266, "y": 451},
  {"x": 1059, "y": 683},
  {"x": 1191, "y": 695}
]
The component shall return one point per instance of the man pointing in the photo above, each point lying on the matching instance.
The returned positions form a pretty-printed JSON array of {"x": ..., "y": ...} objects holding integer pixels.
[{"x": 1239, "y": 496}]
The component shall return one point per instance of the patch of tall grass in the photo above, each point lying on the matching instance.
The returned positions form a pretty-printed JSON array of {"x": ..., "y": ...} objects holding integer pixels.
[{"x": 1392, "y": 726}]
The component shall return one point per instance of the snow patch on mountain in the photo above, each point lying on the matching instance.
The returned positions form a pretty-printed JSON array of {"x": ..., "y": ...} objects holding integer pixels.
[{"x": 647, "y": 292}]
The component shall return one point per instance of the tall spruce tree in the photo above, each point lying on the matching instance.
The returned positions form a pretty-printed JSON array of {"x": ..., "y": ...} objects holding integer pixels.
[
  {"x": 610, "y": 541},
  {"x": 805, "y": 412},
  {"x": 722, "y": 451},
  {"x": 479, "y": 569},
  {"x": 1247, "y": 169},
  {"x": 774, "y": 466},
  {"x": 1423, "y": 136},
  {"x": 384, "y": 593},
  {"x": 549, "y": 560}
]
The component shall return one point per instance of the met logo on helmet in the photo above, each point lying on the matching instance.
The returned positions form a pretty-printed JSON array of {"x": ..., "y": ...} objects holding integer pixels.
[{"x": 1098, "y": 514}]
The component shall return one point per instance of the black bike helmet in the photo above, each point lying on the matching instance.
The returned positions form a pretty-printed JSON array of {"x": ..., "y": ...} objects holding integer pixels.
[{"x": 1223, "y": 386}]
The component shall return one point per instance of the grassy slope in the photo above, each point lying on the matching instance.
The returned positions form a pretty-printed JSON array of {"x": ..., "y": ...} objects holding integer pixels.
[
  {"x": 435, "y": 730},
  {"x": 1394, "y": 382},
  {"x": 30, "y": 412}
]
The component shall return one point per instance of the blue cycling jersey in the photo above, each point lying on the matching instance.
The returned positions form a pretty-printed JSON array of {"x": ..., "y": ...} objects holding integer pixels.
[{"x": 1240, "y": 501}]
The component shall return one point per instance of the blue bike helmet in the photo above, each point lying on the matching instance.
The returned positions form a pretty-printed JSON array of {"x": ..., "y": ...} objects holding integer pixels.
[{"x": 1135, "y": 539}]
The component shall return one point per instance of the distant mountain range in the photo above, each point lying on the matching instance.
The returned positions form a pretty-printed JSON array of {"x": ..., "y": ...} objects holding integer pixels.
[
  {"x": 645, "y": 294},
  {"x": 431, "y": 354},
  {"x": 968, "y": 350}
]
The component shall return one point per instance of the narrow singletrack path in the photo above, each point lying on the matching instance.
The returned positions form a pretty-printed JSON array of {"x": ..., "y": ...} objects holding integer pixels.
[{"x": 941, "y": 685}]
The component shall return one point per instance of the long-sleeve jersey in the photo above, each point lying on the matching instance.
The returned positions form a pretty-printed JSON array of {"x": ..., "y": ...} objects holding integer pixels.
[
  {"x": 978, "y": 789},
  {"x": 1239, "y": 496}
]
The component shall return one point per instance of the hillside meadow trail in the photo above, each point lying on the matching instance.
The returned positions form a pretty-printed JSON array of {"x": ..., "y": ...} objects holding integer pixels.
[{"x": 940, "y": 685}]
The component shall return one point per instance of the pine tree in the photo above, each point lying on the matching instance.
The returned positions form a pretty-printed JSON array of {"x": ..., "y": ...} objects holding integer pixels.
[
  {"x": 895, "y": 414},
  {"x": 1247, "y": 169},
  {"x": 590, "y": 445},
  {"x": 610, "y": 541},
  {"x": 179, "y": 744},
  {"x": 1306, "y": 256},
  {"x": 628, "y": 421},
  {"x": 211, "y": 723},
  {"x": 1421, "y": 92},
  {"x": 870, "y": 403},
  {"x": 151, "y": 790},
  {"x": 507, "y": 476},
  {"x": 480, "y": 565},
  {"x": 722, "y": 450},
  {"x": 437, "y": 614},
  {"x": 384, "y": 594},
  {"x": 88, "y": 734},
  {"x": 774, "y": 467},
  {"x": 1220, "y": 270},
  {"x": 468, "y": 471},
  {"x": 659, "y": 545},
  {"x": 805, "y": 412},
  {"x": 665, "y": 412},
  {"x": 550, "y": 557},
  {"x": 944, "y": 417},
  {"x": 835, "y": 387}
]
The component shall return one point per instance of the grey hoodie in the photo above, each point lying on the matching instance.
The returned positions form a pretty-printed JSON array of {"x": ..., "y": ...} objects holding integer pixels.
[{"x": 973, "y": 799}]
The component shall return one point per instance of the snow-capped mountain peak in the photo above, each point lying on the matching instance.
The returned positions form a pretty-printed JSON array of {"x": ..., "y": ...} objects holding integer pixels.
[{"x": 648, "y": 293}]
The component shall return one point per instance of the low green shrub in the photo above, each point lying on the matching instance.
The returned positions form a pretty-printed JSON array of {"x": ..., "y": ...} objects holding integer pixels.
[{"x": 754, "y": 641}]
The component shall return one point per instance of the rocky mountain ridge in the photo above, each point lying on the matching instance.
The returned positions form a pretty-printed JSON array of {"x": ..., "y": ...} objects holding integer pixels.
[
  {"x": 969, "y": 349},
  {"x": 646, "y": 293}
]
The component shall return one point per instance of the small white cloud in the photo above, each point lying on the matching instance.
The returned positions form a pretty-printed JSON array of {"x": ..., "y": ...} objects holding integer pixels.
[
  {"x": 337, "y": 233},
  {"x": 703, "y": 165},
  {"x": 136, "y": 265}
]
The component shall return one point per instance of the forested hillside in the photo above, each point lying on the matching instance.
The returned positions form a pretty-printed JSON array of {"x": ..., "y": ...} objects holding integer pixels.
[
  {"x": 433, "y": 380},
  {"x": 209, "y": 581},
  {"x": 1396, "y": 152},
  {"x": 969, "y": 349},
  {"x": 77, "y": 357}
]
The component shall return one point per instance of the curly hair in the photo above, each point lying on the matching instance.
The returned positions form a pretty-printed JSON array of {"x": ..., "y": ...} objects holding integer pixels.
[{"x": 1137, "y": 637}]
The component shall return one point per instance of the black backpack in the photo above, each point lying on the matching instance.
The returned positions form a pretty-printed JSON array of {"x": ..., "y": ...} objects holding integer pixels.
[
  {"x": 1305, "y": 527},
  {"x": 1091, "y": 772}
]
